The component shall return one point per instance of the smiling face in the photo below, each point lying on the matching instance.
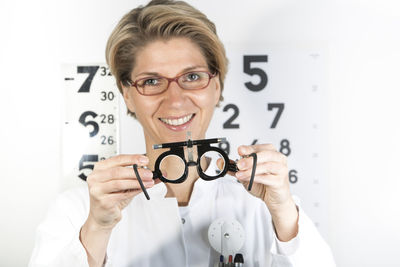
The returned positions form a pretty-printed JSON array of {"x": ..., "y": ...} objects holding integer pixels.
[{"x": 168, "y": 116}]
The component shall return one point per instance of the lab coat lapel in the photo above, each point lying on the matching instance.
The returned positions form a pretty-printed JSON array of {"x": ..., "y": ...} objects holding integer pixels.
[{"x": 155, "y": 233}]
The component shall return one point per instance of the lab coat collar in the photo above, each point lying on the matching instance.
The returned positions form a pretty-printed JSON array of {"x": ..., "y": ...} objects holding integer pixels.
[
  {"x": 157, "y": 191},
  {"x": 202, "y": 189}
]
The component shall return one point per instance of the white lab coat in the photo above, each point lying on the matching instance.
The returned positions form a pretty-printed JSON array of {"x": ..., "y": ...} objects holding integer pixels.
[{"x": 151, "y": 233}]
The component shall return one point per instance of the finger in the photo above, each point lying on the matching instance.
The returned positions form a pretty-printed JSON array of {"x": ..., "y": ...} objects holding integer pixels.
[
  {"x": 123, "y": 185},
  {"x": 123, "y": 196},
  {"x": 265, "y": 179},
  {"x": 118, "y": 173},
  {"x": 247, "y": 150},
  {"x": 122, "y": 160},
  {"x": 274, "y": 168},
  {"x": 262, "y": 156}
]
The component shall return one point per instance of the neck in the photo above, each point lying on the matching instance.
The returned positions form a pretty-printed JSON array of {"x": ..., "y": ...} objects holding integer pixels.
[{"x": 183, "y": 192}]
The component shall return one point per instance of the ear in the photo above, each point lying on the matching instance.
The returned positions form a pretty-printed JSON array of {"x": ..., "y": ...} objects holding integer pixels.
[
  {"x": 128, "y": 98},
  {"x": 218, "y": 89}
]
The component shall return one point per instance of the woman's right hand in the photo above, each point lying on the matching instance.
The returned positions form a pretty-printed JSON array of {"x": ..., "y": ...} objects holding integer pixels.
[{"x": 112, "y": 185}]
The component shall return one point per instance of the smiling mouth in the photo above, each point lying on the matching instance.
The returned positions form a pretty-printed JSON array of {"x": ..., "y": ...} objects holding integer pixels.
[{"x": 178, "y": 121}]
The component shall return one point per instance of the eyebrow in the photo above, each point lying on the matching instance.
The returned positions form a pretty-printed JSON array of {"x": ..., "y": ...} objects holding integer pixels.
[{"x": 182, "y": 71}]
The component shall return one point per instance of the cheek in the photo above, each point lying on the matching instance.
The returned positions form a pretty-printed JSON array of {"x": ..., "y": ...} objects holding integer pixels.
[
  {"x": 206, "y": 102},
  {"x": 143, "y": 106},
  {"x": 202, "y": 100},
  {"x": 213, "y": 97}
]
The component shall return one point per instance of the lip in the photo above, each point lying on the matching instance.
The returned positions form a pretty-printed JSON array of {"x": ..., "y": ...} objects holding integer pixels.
[{"x": 180, "y": 127}]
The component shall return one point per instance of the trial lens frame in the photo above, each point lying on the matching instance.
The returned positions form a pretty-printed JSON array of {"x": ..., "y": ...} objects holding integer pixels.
[{"x": 203, "y": 146}]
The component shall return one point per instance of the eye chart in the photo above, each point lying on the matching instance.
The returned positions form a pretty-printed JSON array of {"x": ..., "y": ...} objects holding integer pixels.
[
  {"x": 91, "y": 119},
  {"x": 272, "y": 94},
  {"x": 278, "y": 95}
]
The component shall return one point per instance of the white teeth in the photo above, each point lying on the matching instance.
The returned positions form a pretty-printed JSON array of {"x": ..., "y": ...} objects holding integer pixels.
[{"x": 177, "y": 122}]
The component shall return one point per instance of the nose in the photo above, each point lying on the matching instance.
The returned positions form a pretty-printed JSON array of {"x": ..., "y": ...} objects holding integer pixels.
[{"x": 175, "y": 95}]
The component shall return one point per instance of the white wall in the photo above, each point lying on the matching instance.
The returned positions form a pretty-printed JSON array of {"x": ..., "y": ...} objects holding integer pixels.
[{"x": 363, "y": 40}]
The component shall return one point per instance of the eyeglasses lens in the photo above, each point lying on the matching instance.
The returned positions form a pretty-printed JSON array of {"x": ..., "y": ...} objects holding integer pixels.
[
  {"x": 212, "y": 163},
  {"x": 193, "y": 80},
  {"x": 176, "y": 171},
  {"x": 187, "y": 81}
]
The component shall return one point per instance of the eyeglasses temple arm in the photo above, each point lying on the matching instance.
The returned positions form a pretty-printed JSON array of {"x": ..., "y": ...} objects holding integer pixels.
[
  {"x": 253, "y": 171},
  {"x": 140, "y": 182},
  {"x": 232, "y": 167}
]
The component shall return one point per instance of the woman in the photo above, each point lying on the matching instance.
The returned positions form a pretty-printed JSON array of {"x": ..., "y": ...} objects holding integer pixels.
[{"x": 170, "y": 67}]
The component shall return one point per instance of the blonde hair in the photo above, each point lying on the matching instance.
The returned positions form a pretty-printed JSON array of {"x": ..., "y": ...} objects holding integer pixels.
[{"x": 162, "y": 20}]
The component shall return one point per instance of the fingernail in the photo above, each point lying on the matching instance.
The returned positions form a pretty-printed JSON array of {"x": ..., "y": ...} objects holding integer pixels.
[
  {"x": 241, "y": 164},
  {"x": 143, "y": 159},
  {"x": 243, "y": 149}
]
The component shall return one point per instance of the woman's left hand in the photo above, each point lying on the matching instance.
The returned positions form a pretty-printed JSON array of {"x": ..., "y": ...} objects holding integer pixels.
[
  {"x": 271, "y": 184},
  {"x": 271, "y": 181}
]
